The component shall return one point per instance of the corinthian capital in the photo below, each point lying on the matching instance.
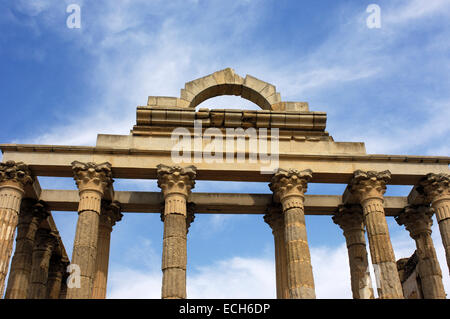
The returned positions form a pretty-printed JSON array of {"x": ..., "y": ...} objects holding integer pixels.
[
  {"x": 434, "y": 186},
  {"x": 274, "y": 217},
  {"x": 417, "y": 219},
  {"x": 292, "y": 182},
  {"x": 176, "y": 179},
  {"x": 46, "y": 240},
  {"x": 32, "y": 210},
  {"x": 16, "y": 172},
  {"x": 349, "y": 217},
  {"x": 91, "y": 176},
  {"x": 111, "y": 213},
  {"x": 369, "y": 184}
]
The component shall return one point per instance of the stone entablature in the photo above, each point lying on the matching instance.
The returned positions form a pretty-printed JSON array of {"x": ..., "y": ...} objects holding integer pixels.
[{"x": 150, "y": 117}]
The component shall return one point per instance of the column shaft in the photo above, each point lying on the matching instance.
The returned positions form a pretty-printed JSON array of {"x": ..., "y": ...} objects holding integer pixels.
[
  {"x": 109, "y": 216},
  {"x": 174, "y": 257},
  {"x": 10, "y": 198},
  {"x": 42, "y": 252},
  {"x": 442, "y": 209},
  {"x": 274, "y": 217},
  {"x": 289, "y": 187},
  {"x": 369, "y": 187},
  {"x": 176, "y": 184},
  {"x": 349, "y": 218},
  {"x": 435, "y": 188},
  {"x": 31, "y": 215},
  {"x": 92, "y": 181},
  {"x": 55, "y": 276},
  {"x": 85, "y": 244},
  {"x": 418, "y": 221}
]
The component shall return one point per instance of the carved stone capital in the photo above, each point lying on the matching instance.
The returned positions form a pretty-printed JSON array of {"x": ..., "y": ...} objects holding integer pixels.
[
  {"x": 349, "y": 217},
  {"x": 91, "y": 176},
  {"x": 15, "y": 173},
  {"x": 111, "y": 213},
  {"x": 287, "y": 183},
  {"x": 33, "y": 211},
  {"x": 435, "y": 186},
  {"x": 369, "y": 184},
  {"x": 46, "y": 241},
  {"x": 176, "y": 179},
  {"x": 417, "y": 219},
  {"x": 31, "y": 215},
  {"x": 274, "y": 217}
]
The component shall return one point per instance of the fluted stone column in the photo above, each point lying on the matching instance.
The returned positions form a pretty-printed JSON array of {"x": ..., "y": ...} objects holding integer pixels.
[
  {"x": 109, "y": 216},
  {"x": 369, "y": 187},
  {"x": 176, "y": 184},
  {"x": 418, "y": 221},
  {"x": 56, "y": 272},
  {"x": 31, "y": 215},
  {"x": 436, "y": 188},
  {"x": 289, "y": 187},
  {"x": 46, "y": 242},
  {"x": 13, "y": 179},
  {"x": 350, "y": 219},
  {"x": 274, "y": 218},
  {"x": 92, "y": 181}
]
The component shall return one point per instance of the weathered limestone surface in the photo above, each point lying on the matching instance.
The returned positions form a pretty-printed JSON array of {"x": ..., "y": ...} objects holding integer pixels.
[
  {"x": 275, "y": 219},
  {"x": 417, "y": 220},
  {"x": 176, "y": 184},
  {"x": 109, "y": 216},
  {"x": 13, "y": 179},
  {"x": 436, "y": 189},
  {"x": 369, "y": 187},
  {"x": 350, "y": 219},
  {"x": 92, "y": 181},
  {"x": 289, "y": 187},
  {"x": 46, "y": 242},
  {"x": 32, "y": 213}
]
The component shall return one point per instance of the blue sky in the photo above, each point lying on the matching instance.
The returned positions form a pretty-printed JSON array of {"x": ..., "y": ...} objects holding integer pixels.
[{"x": 387, "y": 87}]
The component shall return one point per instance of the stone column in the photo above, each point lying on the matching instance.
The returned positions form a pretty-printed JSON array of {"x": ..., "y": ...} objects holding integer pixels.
[
  {"x": 109, "y": 216},
  {"x": 289, "y": 188},
  {"x": 418, "y": 221},
  {"x": 56, "y": 272},
  {"x": 92, "y": 181},
  {"x": 13, "y": 179},
  {"x": 369, "y": 188},
  {"x": 176, "y": 184},
  {"x": 436, "y": 188},
  {"x": 274, "y": 218},
  {"x": 350, "y": 219},
  {"x": 31, "y": 215},
  {"x": 46, "y": 242}
]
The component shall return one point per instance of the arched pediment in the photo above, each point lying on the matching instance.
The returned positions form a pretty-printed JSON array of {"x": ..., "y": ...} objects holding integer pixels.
[{"x": 227, "y": 82}]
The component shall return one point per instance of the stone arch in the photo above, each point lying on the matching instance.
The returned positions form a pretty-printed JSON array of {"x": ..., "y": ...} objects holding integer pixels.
[{"x": 226, "y": 82}]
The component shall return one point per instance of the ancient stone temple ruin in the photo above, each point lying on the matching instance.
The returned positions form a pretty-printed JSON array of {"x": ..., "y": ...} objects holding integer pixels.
[{"x": 284, "y": 144}]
